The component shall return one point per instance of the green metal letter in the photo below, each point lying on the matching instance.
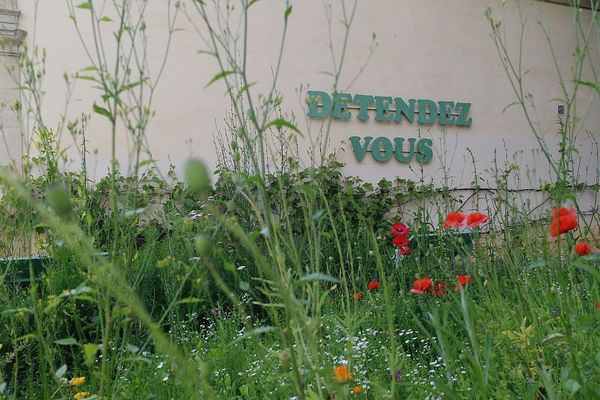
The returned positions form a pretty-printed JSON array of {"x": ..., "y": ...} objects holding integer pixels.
[
  {"x": 379, "y": 154},
  {"x": 464, "y": 113},
  {"x": 427, "y": 111},
  {"x": 363, "y": 101},
  {"x": 408, "y": 110},
  {"x": 359, "y": 150},
  {"x": 424, "y": 152},
  {"x": 446, "y": 117},
  {"x": 313, "y": 104},
  {"x": 340, "y": 105},
  {"x": 400, "y": 151},
  {"x": 383, "y": 108}
]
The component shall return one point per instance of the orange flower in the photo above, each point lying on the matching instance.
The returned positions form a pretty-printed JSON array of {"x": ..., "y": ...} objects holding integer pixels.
[
  {"x": 563, "y": 220},
  {"x": 372, "y": 286},
  {"x": 357, "y": 390},
  {"x": 454, "y": 220},
  {"x": 583, "y": 249},
  {"x": 476, "y": 219},
  {"x": 357, "y": 296},
  {"x": 342, "y": 374}
]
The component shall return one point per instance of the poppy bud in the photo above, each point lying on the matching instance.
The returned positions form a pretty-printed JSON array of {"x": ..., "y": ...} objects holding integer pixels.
[
  {"x": 59, "y": 200},
  {"x": 330, "y": 258},
  {"x": 371, "y": 253},
  {"x": 203, "y": 245},
  {"x": 284, "y": 359},
  {"x": 197, "y": 177},
  {"x": 230, "y": 205},
  {"x": 486, "y": 283},
  {"x": 206, "y": 370}
]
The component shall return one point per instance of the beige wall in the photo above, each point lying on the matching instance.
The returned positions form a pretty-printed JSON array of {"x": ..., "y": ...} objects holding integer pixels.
[{"x": 432, "y": 49}]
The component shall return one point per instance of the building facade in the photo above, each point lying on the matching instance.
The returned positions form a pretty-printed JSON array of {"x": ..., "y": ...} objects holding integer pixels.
[{"x": 422, "y": 95}]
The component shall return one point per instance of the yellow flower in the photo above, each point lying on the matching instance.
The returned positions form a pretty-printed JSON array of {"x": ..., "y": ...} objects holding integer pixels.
[
  {"x": 80, "y": 395},
  {"x": 77, "y": 381},
  {"x": 342, "y": 373}
]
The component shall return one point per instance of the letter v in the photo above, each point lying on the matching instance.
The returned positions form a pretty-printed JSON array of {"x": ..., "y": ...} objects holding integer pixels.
[{"x": 360, "y": 150}]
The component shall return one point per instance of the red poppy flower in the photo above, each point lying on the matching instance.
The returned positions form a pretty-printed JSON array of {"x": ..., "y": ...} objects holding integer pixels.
[
  {"x": 463, "y": 280},
  {"x": 583, "y": 249},
  {"x": 454, "y": 220},
  {"x": 439, "y": 289},
  {"x": 399, "y": 229},
  {"x": 476, "y": 219},
  {"x": 421, "y": 285},
  {"x": 597, "y": 305},
  {"x": 400, "y": 241},
  {"x": 559, "y": 212},
  {"x": 404, "y": 251},
  {"x": 357, "y": 296},
  {"x": 563, "y": 220},
  {"x": 372, "y": 286}
]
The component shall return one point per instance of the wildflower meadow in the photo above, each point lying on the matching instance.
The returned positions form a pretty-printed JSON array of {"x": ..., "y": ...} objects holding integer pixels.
[{"x": 248, "y": 281}]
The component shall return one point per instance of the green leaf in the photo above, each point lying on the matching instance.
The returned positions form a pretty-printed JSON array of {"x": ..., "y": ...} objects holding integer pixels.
[
  {"x": 537, "y": 264},
  {"x": 282, "y": 123},
  {"x": 229, "y": 267},
  {"x": 317, "y": 276},
  {"x": 218, "y": 76},
  {"x": 76, "y": 291},
  {"x": 582, "y": 264},
  {"x": 514, "y": 103},
  {"x": 190, "y": 300},
  {"x": 61, "y": 372},
  {"x": 142, "y": 164},
  {"x": 572, "y": 386},
  {"x": 102, "y": 111},
  {"x": 131, "y": 85},
  {"x": 86, "y": 77},
  {"x": 254, "y": 332},
  {"x": 589, "y": 84},
  {"x": 89, "y": 353},
  {"x": 67, "y": 342},
  {"x": 132, "y": 348},
  {"x": 317, "y": 215},
  {"x": 86, "y": 5},
  {"x": 245, "y": 88},
  {"x": 106, "y": 19},
  {"x": 288, "y": 11}
]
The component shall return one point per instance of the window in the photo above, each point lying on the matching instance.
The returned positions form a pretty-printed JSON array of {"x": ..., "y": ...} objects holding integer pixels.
[{"x": 10, "y": 39}]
